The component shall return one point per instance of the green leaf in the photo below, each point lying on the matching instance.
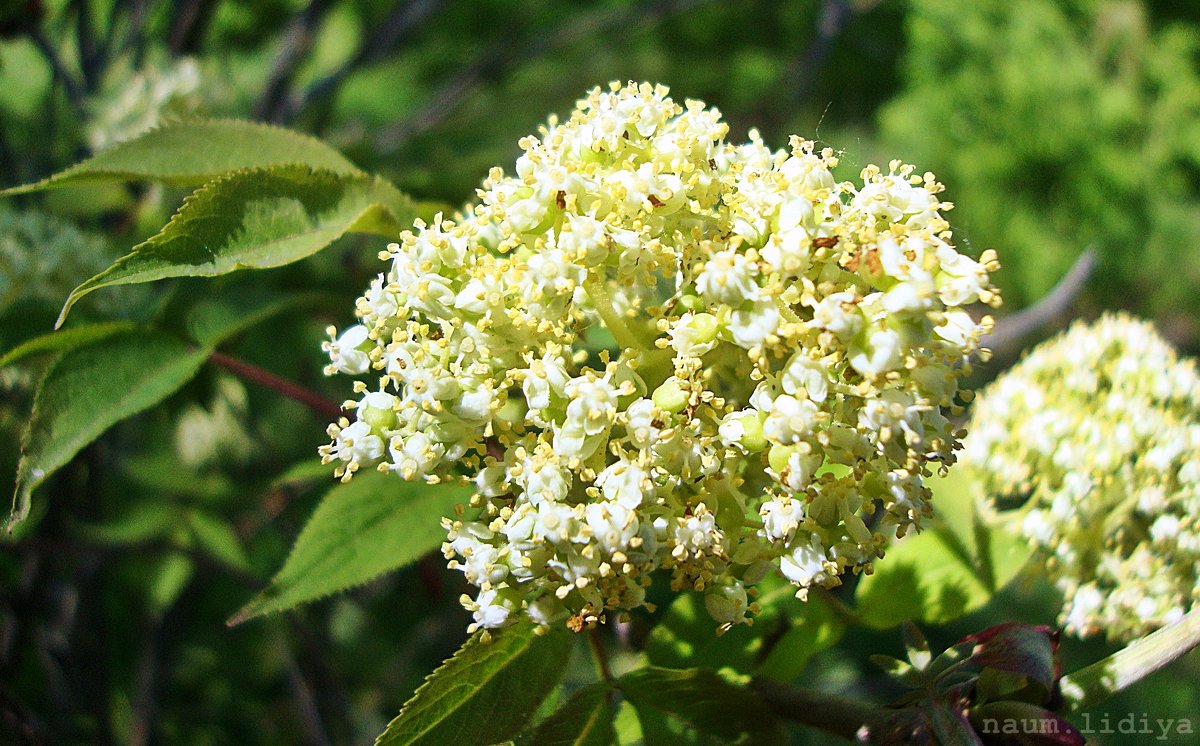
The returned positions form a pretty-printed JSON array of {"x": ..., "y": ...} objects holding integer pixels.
[
  {"x": 921, "y": 578},
  {"x": 813, "y": 627},
  {"x": 486, "y": 692},
  {"x": 214, "y": 320},
  {"x": 952, "y": 568},
  {"x": 168, "y": 580},
  {"x": 255, "y": 220},
  {"x": 63, "y": 340},
  {"x": 686, "y": 636},
  {"x": 585, "y": 720},
  {"x": 193, "y": 152},
  {"x": 998, "y": 551},
  {"x": 303, "y": 473},
  {"x": 140, "y": 520},
  {"x": 89, "y": 389},
  {"x": 373, "y": 524},
  {"x": 948, "y": 725},
  {"x": 218, "y": 539},
  {"x": 916, "y": 646},
  {"x": 701, "y": 701}
]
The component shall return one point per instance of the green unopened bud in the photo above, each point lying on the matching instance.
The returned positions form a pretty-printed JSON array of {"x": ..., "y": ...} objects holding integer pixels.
[
  {"x": 376, "y": 411},
  {"x": 753, "y": 439},
  {"x": 779, "y": 456},
  {"x": 705, "y": 327},
  {"x": 513, "y": 411},
  {"x": 670, "y": 397}
]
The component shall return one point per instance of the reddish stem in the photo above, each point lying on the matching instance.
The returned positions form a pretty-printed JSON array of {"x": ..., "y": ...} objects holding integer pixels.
[{"x": 290, "y": 389}]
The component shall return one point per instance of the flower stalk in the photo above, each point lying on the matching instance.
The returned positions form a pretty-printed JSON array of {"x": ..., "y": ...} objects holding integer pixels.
[{"x": 1093, "y": 684}]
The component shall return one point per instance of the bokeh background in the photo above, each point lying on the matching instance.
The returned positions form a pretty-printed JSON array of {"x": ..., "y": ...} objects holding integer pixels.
[{"x": 1059, "y": 126}]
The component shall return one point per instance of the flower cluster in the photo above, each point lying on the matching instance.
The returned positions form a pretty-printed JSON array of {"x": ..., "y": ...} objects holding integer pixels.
[
  {"x": 146, "y": 99},
  {"x": 1098, "y": 432},
  {"x": 657, "y": 352}
]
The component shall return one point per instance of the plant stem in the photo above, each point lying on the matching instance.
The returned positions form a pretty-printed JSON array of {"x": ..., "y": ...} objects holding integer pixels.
[
  {"x": 598, "y": 292},
  {"x": 849, "y": 718},
  {"x": 1093, "y": 684},
  {"x": 598, "y": 652},
  {"x": 290, "y": 389}
]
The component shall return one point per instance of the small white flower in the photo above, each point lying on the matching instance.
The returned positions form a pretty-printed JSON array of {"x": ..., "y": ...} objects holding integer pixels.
[{"x": 346, "y": 354}]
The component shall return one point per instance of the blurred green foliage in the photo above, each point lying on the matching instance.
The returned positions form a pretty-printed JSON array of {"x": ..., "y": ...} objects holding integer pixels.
[
  {"x": 1060, "y": 126},
  {"x": 1056, "y": 124}
]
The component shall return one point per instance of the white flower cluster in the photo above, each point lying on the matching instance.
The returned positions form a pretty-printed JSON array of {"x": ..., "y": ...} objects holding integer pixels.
[
  {"x": 655, "y": 351},
  {"x": 1098, "y": 431},
  {"x": 148, "y": 98}
]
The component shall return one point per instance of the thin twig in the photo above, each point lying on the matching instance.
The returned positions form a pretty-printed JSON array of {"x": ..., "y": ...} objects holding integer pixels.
[
  {"x": 849, "y": 718},
  {"x": 70, "y": 84},
  {"x": 191, "y": 20},
  {"x": 290, "y": 389},
  {"x": 85, "y": 40},
  {"x": 599, "y": 653},
  {"x": 297, "y": 43},
  {"x": 145, "y": 703},
  {"x": 302, "y": 693},
  {"x": 805, "y": 70},
  {"x": 495, "y": 61},
  {"x": 139, "y": 13},
  {"x": 1010, "y": 331},
  {"x": 401, "y": 25}
]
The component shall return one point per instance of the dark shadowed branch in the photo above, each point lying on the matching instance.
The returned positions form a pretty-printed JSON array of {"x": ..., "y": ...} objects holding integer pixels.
[
  {"x": 401, "y": 25},
  {"x": 495, "y": 62},
  {"x": 1011, "y": 331}
]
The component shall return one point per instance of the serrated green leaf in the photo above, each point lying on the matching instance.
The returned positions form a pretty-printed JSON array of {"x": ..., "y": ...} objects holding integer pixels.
[
  {"x": 89, "y": 389},
  {"x": 485, "y": 693},
  {"x": 192, "y": 152},
  {"x": 256, "y": 219},
  {"x": 214, "y": 320},
  {"x": 63, "y": 340},
  {"x": 373, "y": 524},
  {"x": 585, "y": 720},
  {"x": 701, "y": 701}
]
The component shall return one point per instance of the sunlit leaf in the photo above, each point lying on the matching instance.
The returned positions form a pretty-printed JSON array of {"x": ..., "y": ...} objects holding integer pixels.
[
  {"x": 952, "y": 568},
  {"x": 89, "y": 389},
  {"x": 255, "y": 220},
  {"x": 486, "y": 692},
  {"x": 785, "y": 634},
  {"x": 374, "y": 524},
  {"x": 192, "y": 152},
  {"x": 64, "y": 339},
  {"x": 699, "y": 700}
]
